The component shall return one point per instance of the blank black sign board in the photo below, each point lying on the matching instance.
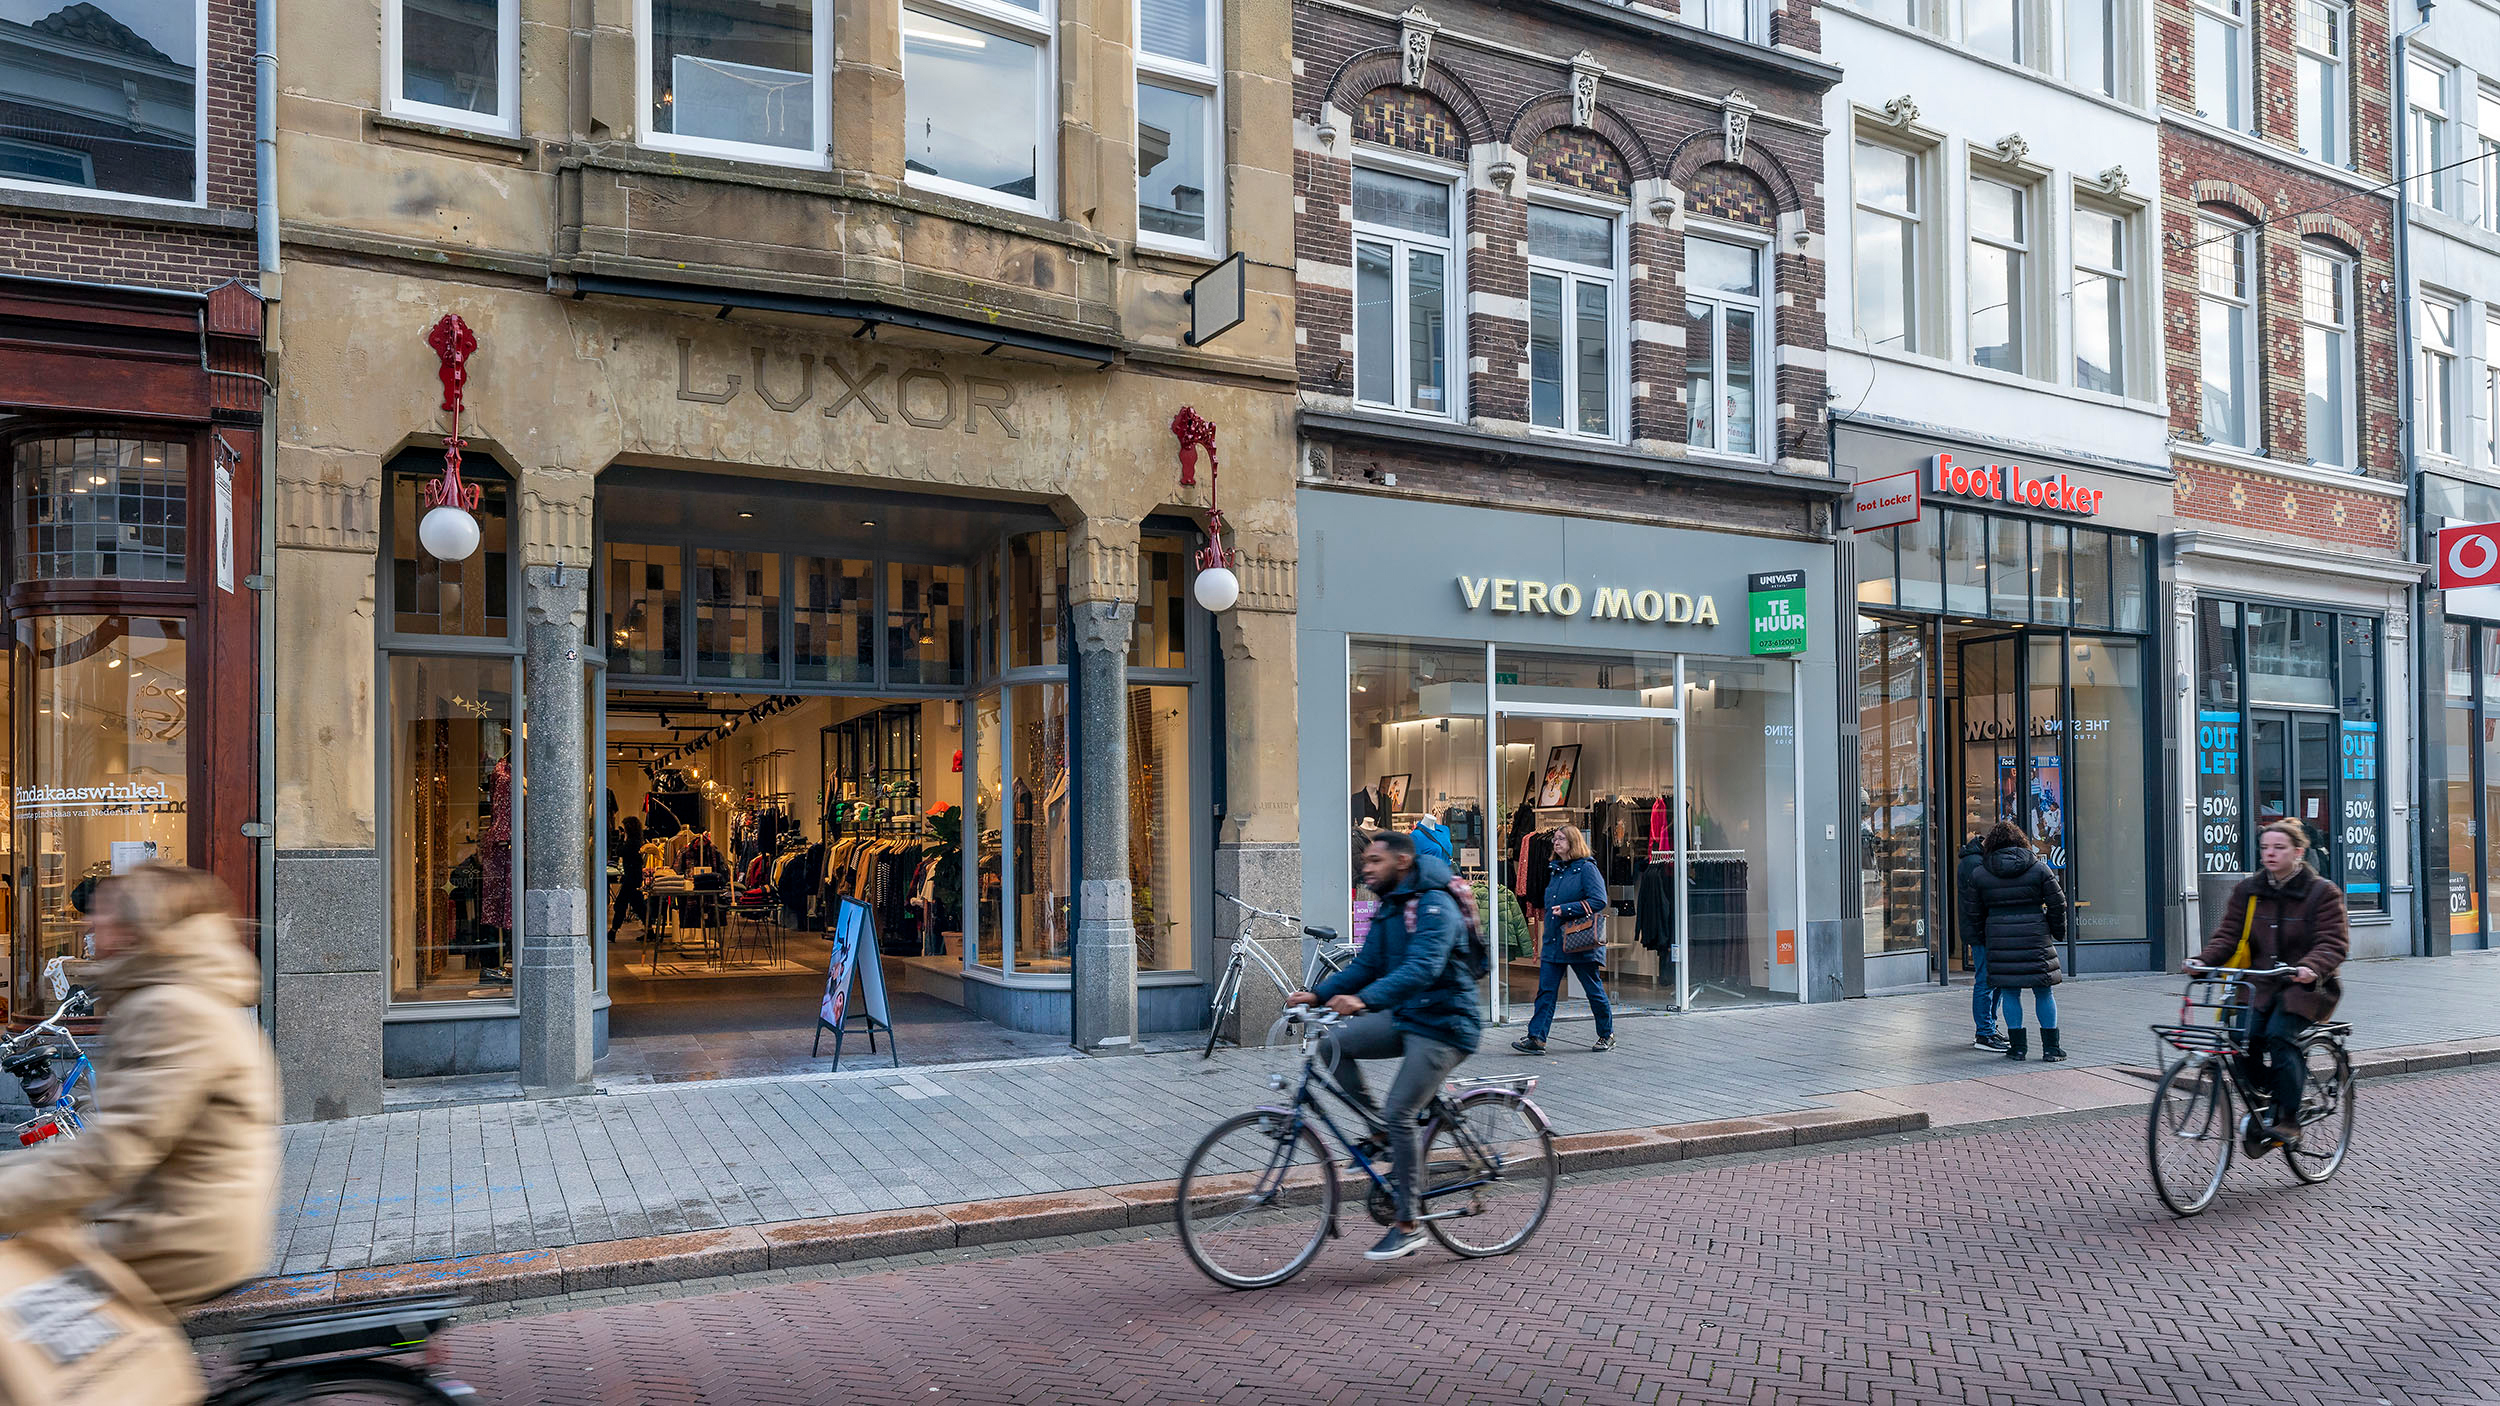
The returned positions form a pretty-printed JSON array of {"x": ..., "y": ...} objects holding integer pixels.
[
  {"x": 1217, "y": 300},
  {"x": 854, "y": 961}
]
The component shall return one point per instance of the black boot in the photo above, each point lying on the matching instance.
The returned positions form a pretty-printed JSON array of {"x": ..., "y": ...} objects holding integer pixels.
[
  {"x": 2014, "y": 1039},
  {"x": 2050, "y": 1050}
]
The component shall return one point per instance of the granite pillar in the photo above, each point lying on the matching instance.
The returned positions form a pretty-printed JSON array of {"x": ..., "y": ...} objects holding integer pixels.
[
  {"x": 553, "y": 984},
  {"x": 1105, "y": 959},
  {"x": 329, "y": 981}
]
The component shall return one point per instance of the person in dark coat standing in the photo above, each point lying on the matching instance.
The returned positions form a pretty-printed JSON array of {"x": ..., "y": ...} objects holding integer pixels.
[
  {"x": 1983, "y": 997},
  {"x": 2291, "y": 915},
  {"x": 2014, "y": 904},
  {"x": 1575, "y": 889},
  {"x": 625, "y": 847}
]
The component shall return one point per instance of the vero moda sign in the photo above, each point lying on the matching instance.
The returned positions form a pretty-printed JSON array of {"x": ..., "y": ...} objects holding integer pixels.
[{"x": 1776, "y": 610}]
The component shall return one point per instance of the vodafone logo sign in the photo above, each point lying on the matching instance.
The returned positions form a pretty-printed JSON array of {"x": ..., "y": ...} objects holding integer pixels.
[{"x": 2469, "y": 556}]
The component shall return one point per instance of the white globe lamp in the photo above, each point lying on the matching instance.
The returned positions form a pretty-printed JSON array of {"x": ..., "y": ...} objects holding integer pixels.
[
  {"x": 449, "y": 532},
  {"x": 1218, "y": 588}
]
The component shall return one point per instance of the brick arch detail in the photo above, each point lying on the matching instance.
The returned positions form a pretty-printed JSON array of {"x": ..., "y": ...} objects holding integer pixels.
[
  {"x": 1709, "y": 148},
  {"x": 2329, "y": 227},
  {"x": 1375, "y": 69},
  {"x": 2230, "y": 195},
  {"x": 1542, "y": 116},
  {"x": 1726, "y": 191}
]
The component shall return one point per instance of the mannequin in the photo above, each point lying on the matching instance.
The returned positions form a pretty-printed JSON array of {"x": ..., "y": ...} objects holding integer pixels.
[{"x": 1370, "y": 807}]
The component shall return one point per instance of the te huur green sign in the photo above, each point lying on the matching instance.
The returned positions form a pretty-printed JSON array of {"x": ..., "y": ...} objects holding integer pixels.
[{"x": 1776, "y": 605}]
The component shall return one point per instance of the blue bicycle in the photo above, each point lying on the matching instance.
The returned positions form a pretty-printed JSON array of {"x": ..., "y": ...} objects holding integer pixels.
[
  {"x": 1259, "y": 1196},
  {"x": 57, "y": 1097}
]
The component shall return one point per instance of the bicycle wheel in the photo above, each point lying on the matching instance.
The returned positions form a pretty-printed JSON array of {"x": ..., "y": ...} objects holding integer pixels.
[
  {"x": 1489, "y": 1174},
  {"x": 2190, "y": 1134},
  {"x": 2325, "y": 1112},
  {"x": 1227, "y": 991},
  {"x": 1255, "y": 1200},
  {"x": 338, "y": 1384}
]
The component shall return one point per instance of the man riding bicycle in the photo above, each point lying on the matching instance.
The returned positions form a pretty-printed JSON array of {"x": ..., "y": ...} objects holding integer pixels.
[{"x": 1406, "y": 995}]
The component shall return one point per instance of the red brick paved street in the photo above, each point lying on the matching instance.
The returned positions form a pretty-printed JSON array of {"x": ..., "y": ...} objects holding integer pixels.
[{"x": 2007, "y": 1268}]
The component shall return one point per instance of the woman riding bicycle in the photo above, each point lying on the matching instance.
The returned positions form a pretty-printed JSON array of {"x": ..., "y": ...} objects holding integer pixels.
[
  {"x": 177, "y": 1165},
  {"x": 2289, "y": 915}
]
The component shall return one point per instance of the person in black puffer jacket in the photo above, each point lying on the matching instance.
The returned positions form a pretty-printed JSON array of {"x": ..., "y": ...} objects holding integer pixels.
[{"x": 2013, "y": 903}]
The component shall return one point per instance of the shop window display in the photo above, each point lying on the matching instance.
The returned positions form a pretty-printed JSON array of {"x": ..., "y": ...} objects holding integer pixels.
[
  {"x": 1417, "y": 749},
  {"x": 1162, "y": 891},
  {"x": 105, "y": 783},
  {"x": 1040, "y": 810},
  {"x": 455, "y": 778}
]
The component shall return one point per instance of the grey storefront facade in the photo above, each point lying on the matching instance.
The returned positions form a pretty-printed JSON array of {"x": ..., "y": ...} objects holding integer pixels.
[
  {"x": 1501, "y": 673},
  {"x": 2008, "y": 647}
]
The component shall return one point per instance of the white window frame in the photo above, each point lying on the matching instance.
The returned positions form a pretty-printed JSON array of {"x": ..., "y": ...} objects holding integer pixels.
[
  {"x": 2491, "y": 391},
  {"x": 2232, "y": 14},
  {"x": 2122, "y": 279},
  {"x": 1618, "y": 320},
  {"x": 1453, "y": 290},
  {"x": 814, "y": 157},
  {"x": 2438, "y": 368},
  {"x": 2021, "y": 297},
  {"x": 2118, "y": 14},
  {"x": 1207, "y": 81},
  {"x": 199, "y": 139},
  {"x": 2487, "y": 137},
  {"x": 2430, "y": 111},
  {"x": 1710, "y": 14},
  {"x": 2338, "y": 77},
  {"x": 1040, "y": 30},
  {"x": 1917, "y": 14},
  {"x": 1916, "y": 223},
  {"x": 2348, "y": 282},
  {"x": 2026, "y": 50},
  {"x": 2210, "y": 228},
  {"x": 1764, "y": 308},
  {"x": 507, "y": 121}
]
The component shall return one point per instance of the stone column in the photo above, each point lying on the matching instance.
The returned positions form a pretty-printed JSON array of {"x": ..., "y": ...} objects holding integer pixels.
[
  {"x": 1103, "y": 588},
  {"x": 554, "y": 981}
]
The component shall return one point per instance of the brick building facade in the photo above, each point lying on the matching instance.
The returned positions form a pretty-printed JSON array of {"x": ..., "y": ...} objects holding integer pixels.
[
  {"x": 1559, "y": 292},
  {"x": 2282, "y": 326},
  {"x": 131, "y": 398}
]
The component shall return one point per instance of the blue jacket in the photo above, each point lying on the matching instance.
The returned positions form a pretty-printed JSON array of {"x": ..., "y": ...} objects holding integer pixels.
[
  {"x": 1405, "y": 967},
  {"x": 1576, "y": 889}
]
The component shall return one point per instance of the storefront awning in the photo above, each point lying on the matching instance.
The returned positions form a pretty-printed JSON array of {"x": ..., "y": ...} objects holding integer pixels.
[{"x": 970, "y": 334}]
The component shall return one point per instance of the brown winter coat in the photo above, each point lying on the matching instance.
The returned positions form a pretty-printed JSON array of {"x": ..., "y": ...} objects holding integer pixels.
[
  {"x": 178, "y": 1165},
  {"x": 2301, "y": 924}
]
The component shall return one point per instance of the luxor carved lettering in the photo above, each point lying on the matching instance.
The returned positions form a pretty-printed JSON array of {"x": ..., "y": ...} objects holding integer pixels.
[
  {"x": 1511, "y": 596},
  {"x": 924, "y": 397}
]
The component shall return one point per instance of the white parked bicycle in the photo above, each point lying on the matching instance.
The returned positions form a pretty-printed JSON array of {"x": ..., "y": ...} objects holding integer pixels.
[{"x": 1332, "y": 957}]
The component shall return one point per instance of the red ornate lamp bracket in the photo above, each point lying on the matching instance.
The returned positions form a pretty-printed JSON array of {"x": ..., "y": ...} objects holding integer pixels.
[
  {"x": 454, "y": 344},
  {"x": 1194, "y": 430}
]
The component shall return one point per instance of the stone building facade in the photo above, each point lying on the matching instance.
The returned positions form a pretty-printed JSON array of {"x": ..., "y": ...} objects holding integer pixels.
[
  {"x": 2284, "y": 329},
  {"x": 776, "y": 406},
  {"x": 131, "y": 400},
  {"x": 1560, "y": 277}
]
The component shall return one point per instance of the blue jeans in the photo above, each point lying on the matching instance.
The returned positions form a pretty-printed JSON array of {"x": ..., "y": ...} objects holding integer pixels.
[
  {"x": 1549, "y": 981},
  {"x": 2043, "y": 1000},
  {"x": 1983, "y": 997}
]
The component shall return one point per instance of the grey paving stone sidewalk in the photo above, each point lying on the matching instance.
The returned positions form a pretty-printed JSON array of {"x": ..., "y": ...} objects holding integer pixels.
[{"x": 420, "y": 1183}]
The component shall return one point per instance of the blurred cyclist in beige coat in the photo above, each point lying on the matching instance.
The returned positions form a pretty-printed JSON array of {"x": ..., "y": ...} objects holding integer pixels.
[{"x": 177, "y": 1168}]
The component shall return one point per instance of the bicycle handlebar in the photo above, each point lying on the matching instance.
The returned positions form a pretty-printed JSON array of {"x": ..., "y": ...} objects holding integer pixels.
[
  {"x": 1290, "y": 920},
  {"x": 2278, "y": 969}
]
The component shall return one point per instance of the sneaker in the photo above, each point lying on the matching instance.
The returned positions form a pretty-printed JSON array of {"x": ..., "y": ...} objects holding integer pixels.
[
  {"x": 1604, "y": 1043},
  {"x": 1396, "y": 1245},
  {"x": 2287, "y": 1134},
  {"x": 1988, "y": 1040},
  {"x": 2254, "y": 1139},
  {"x": 1528, "y": 1045},
  {"x": 1374, "y": 1148}
]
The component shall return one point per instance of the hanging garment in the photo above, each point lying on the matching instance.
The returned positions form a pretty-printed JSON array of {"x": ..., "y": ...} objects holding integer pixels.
[
  {"x": 1538, "y": 865},
  {"x": 495, "y": 849},
  {"x": 1653, "y": 909},
  {"x": 1661, "y": 826}
]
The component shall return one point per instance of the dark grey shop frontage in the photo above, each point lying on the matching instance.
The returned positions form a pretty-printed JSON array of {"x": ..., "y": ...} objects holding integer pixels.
[
  {"x": 2007, "y": 645},
  {"x": 1673, "y": 693}
]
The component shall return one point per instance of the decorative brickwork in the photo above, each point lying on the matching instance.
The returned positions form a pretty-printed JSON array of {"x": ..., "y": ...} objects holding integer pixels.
[
  {"x": 2262, "y": 505},
  {"x": 1410, "y": 121},
  {"x": 1578, "y": 160},
  {"x": 1726, "y": 192}
]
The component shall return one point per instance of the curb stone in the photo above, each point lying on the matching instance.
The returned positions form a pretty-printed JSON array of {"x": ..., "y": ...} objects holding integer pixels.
[{"x": 704, "y": 1254}]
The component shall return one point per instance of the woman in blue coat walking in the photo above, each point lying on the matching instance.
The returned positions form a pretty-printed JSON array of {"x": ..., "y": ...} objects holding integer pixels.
[{"x": 1576, "y": 890}]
